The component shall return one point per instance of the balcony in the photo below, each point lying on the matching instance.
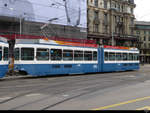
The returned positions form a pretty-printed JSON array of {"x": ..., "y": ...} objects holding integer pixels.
[
  {"x": 96, "y": 21},
  {"x": 120, "y": 24},
  {"x": 145, "y": 48},
  {"x": 113, "y": 9},
  {"x": 127, "y": 37}
]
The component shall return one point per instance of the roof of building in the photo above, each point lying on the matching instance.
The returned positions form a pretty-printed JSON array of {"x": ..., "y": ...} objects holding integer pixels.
[{"x": 142, "y": 23}]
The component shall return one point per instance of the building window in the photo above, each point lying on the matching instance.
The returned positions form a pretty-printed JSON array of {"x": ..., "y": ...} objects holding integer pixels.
[
  {"x": 113, "y": 4},
  {"x": 96, "y": 27},
  {"x": 144, "y": 38},
  {"x": 96, "y": 15},
  {"x": 119, "y": 7},
  {"x": 122, "y": 8},
  {"x": 105, "y": 18},
  {"x": 96, "y": 3},
  {"x": 131, "y": 10},
  {"x": 137, "y": 32},
  {"x": 144, "y": 45},
  {"x": 105, "y": 4},
  {"x": 132, "y": 21}
]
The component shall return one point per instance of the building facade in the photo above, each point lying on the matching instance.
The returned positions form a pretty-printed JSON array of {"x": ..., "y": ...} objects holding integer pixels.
[
  {"x": 14, "y": 25},
  {"x": 142, "y": 30},
  {"x": 111, "y": 22}
]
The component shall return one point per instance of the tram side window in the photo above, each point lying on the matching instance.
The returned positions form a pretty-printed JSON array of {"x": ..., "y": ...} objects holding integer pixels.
[
  {"x": 130, "y": 56},
  {"x": 95, "y": 55},
  {"x": 78, "y": 55},
  {"x": 42, "y": 54},
  {"x": 106, "y": 56},
  {"x": 16, "y": 54},
  {"x": 125, "y": 57},
  {"x": 56, "y": 54},
  {"x": 27, "y": 53},
  {"x": 5, "y": 53},
  {"x": 112, "y": 56},
  {"x": 87, "y": 55},
  {"x": 0, "y": 53},
  {"x": 118, "y": 57},
  {"x": 67, "y": 55}
]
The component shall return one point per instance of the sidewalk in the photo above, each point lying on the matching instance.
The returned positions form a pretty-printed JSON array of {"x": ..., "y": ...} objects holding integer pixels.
[
  {"x": 14, "y": 77},
  {"x": 147, "y": 65}
]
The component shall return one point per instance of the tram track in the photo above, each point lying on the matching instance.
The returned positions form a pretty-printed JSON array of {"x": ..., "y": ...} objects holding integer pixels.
[
  {"x": 87, "y": 90},
  {"x": 78, "y": 81},
  {"x": 29, "y": 92}
]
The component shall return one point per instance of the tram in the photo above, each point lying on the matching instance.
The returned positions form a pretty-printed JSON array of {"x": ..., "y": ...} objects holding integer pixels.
[
  {"x": 3, "y": 59},
  {"x": 46, "y": 59}
]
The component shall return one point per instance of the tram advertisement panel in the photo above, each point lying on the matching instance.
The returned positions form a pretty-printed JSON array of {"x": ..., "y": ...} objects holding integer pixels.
[{"x": 64, "y": 12}]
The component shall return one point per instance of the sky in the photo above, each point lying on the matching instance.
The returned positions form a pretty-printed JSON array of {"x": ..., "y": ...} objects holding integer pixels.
[{"x": 142, "y": 10}]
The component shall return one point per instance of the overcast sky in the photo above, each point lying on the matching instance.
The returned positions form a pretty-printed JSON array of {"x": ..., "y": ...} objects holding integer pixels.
[{"x": 142, "y": 10}]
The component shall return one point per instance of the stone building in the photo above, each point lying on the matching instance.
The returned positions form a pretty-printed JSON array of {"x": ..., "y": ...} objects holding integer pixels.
[
  {"x": 112, "y": 21},
  {"x": 142, "y": 30}
]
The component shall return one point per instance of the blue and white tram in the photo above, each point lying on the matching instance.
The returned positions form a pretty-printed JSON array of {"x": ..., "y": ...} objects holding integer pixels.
[
  {"x": 3, "y": 59},
  {"x": 120, "y": 59},
  {"x": 41, "y": 59},
  {"x": 48, "y": 59}
]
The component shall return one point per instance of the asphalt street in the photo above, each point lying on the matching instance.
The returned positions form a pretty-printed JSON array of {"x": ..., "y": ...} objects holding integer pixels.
[{"x": 101, "y": 91}]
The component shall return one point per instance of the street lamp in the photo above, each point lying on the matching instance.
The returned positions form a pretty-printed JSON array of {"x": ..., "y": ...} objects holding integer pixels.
[{"x": 11, "y": 43}]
